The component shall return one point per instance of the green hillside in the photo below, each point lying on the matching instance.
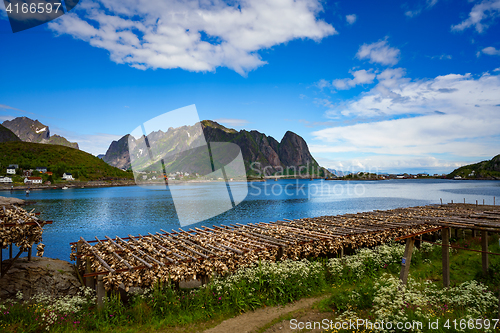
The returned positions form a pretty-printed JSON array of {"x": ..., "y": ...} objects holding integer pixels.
[
  {"x": 58, "y": 159},
  {"x": 485, "y": 169}
]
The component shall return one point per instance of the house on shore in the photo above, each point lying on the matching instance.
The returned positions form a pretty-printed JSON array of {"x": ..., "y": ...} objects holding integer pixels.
[
  {"x": 33, "y": 180},
  {"x": 11, "y": 170},
  {"x": 5, "y": 180},
  {"x": 14, "y": 165},
  {"x": 67, "y": 176}
]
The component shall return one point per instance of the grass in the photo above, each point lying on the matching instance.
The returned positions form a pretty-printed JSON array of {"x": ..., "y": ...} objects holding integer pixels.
[
  {"x": 59, "y": 160},
  {"x": 362, "y": 286}
]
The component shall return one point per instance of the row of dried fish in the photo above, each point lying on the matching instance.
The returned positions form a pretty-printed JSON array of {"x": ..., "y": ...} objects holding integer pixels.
[
  {"x": 208, "y": 251},
  {"x": 21, "y": 228}
]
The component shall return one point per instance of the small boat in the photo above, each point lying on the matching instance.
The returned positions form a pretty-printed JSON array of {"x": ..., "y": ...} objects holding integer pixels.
[{"x": 65, "y": 188}]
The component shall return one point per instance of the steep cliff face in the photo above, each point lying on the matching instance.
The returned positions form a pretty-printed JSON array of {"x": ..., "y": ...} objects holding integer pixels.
[
  {"x": 117, "y": 154},
  {"x": 293, "y": 150},
  {"x": 262, "y": 154},
  {"x": 6, "y": 135},
  {"x": 29, "y": 130}
]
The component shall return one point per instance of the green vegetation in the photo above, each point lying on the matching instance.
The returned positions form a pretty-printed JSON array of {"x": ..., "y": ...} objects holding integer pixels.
[
  {"x": 362, "y": 286},
  {"x": 57, "y": 159},
  {"x": 485, "y": 169}
]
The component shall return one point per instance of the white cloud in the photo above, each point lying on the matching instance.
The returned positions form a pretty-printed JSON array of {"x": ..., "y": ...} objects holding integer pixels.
[
  {"x": 7, "y": 107},
  {"x": 192, "y": 35},
  {"x": 379, "y": 52},
  {"x": 351, "y": 18},
  {"x": 324, "y": 102},
  {"x": 428, "y": 5},
  {"x": 481, "y": 16},
  {"x": 490, "y": 50},
  {"x": 385, "y": 163},
  {"x": 496, "y": 69},
  {"x": 360, "y": 77},
  {"x": 455, "y": 114},
  {"x": 232, "y": 122}
]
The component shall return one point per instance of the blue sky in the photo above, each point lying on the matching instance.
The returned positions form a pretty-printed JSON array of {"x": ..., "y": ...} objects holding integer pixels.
[{"x": 386, "y": 86}]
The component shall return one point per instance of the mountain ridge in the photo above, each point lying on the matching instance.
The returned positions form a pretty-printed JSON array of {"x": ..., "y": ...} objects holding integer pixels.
[
  {"x": 263, "y": 155},
  {"x": 29, "y": 130}
]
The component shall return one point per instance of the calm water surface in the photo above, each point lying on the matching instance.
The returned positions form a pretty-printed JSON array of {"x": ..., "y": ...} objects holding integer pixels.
[{"x": 112, "y": 211}]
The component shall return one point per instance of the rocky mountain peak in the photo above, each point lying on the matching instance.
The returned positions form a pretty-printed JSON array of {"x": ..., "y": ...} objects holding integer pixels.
[{"x": 29, "y": 130}]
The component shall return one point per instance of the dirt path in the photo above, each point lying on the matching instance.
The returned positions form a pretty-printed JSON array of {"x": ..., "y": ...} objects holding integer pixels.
[{"x": 251, "y": 321}]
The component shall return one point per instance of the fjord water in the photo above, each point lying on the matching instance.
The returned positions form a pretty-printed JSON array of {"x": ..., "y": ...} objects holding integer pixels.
[{"x": 111, "y": 211}]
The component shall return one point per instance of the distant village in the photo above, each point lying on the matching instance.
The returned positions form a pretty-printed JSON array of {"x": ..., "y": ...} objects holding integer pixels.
[{"x": 32, "y": 176}]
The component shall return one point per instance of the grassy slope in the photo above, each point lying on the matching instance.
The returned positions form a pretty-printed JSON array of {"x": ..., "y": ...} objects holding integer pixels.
[
  {"x": 58, "y": 159},
  {"x": 484, "y": 169}
]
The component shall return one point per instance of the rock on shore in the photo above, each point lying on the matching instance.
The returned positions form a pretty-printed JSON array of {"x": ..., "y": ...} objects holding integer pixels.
[
  {"x": 52, "y": 277},
  {"x": 5, "y": 201}
]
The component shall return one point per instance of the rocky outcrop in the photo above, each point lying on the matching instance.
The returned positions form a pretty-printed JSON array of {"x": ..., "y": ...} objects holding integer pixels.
[
  {"x": 117, "y": 154},
  {"x": 261, "y": 153},
  {"x": 52, "y": 277},
  {"x": 6, "y": 135},
  {"x": 5, "y": 201},
  {"x": 29, "y": 130}
]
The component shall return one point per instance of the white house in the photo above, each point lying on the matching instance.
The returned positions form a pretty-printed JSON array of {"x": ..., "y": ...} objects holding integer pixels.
[
  {"x": 33, "y": 180},
  {"x": 5, "y": 180},
  {"x": 11, "y": 170},
  {"x": 67, "y": 176}
]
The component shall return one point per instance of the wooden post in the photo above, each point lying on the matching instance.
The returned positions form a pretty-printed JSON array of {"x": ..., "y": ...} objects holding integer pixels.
[
  {"x": 406, "y": 260},
  {"x": 451, "y": 201},
  {"x": 484, "y": 246},
  {"x": 483, "y": 202},
  {"x": 89, "y": 281},
  {"x": 476, "y": 202},
  {"x": 100, "y": 291},
  {"x": 29, "y": 252},
  {"x": 464, "y": 201},
  {"x": 473, "y": 233},
  {"x": 493, "y": 201},
  {"x": 441, "y": 200},
  {"x": 342, "y": 252},
  {"x": 10, "y": 251},
  {"x": 78, "y": 253},
  {"x": 1, "y": 252},
  {"x": 456, "y": 233},
  {"x": 446, "y": 256}
]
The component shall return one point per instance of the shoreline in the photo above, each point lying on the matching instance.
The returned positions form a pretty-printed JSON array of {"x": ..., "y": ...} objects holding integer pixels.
[
  {"x": 59, "y": 186},
  {"x": 118, "y": 183}
]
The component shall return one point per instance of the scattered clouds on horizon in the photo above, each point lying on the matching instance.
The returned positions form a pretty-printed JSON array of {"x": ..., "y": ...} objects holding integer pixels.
[
  {"x": 385, "y": 163},
  {"x": 94, "y": 144},
  {"x": 192, "y": 35},
  {"x": 379, "y": 52},
  {"x": 451, "y": 114},
  {"x": 351, "y": 18},
  {"x": 480, "y": 17},
  {"x": 232, "y": 122}
]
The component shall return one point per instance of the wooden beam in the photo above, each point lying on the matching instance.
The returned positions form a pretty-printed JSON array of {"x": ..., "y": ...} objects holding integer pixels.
[
  {"x": 445, "y": 234},
  {"x": 101, "y": 293},
  {"x": 484, "y": 246},
  {"x": 406, "y": 260},
  {"x": 89, "y": 281}
]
